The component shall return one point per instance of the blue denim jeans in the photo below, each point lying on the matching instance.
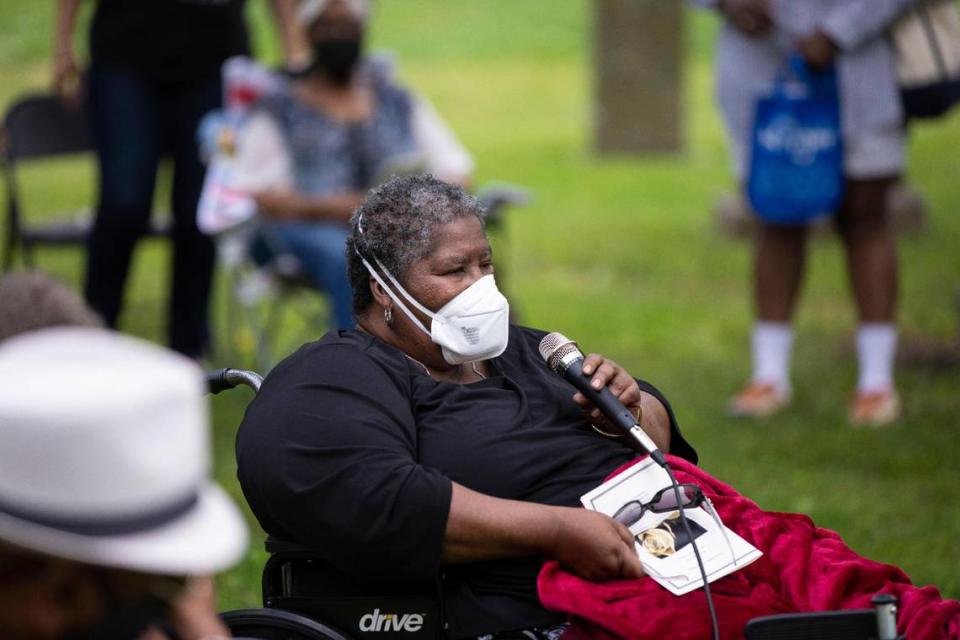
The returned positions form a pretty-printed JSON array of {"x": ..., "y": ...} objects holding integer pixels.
[
  {"x": 135, "y": 122},
  {"x": 320, "y": 247}
]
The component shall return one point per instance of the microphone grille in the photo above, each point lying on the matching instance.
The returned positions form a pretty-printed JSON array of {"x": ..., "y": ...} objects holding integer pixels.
[{"x": 554, "y": 347}]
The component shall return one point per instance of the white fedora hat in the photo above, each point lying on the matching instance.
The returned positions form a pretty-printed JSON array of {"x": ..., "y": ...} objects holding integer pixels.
[{"x": 105, "y": 455}]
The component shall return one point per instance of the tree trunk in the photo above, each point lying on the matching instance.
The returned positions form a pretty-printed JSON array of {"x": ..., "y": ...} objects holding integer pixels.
[{"x": 638, "y": 50}]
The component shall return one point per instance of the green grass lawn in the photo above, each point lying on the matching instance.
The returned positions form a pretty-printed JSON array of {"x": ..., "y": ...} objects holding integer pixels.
[{"x": 621, "y": 254}]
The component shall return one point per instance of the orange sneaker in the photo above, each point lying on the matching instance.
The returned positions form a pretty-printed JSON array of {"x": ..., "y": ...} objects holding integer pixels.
[
  {"x": 874, "y": 409},
  {"x": 758, "y": 400}
]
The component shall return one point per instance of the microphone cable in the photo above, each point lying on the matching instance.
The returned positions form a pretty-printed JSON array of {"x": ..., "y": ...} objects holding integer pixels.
[
  {"x": 714, "y": 623},
  {"x": 563, "y": 357}
]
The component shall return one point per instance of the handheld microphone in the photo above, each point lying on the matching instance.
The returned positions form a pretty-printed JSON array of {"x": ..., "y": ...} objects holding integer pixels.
[{"x": 565, "y": 359}]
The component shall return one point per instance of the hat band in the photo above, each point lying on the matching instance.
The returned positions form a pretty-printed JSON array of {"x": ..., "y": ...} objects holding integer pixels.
[{"x": 106, "y": 526}]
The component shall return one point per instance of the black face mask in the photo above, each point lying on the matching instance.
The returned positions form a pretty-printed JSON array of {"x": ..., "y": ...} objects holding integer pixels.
[
  {"x": 337, "y": 58},
  {"x": 126, "y": 620}
]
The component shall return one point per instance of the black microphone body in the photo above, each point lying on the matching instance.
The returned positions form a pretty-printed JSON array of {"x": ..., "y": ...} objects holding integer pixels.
[
  {"x": 565, "y": 358},
  {"x": 604, "y": 399}
]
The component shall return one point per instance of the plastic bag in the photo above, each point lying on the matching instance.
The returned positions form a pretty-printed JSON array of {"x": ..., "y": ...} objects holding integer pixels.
[
  {"x": 796, "y": 169},
  {"x": 244, "y": 149}
]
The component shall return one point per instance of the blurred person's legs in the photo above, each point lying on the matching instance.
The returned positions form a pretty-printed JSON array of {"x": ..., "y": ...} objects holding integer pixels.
[
  {"x": 193, "y": 251},
  {"x": 320, "y": 247},
  {"x": 777, "y": 276},
  {"x": 128, "y": 136},
  {"x": 874, "y": 162},
  {"x": 872, "y": 265}
]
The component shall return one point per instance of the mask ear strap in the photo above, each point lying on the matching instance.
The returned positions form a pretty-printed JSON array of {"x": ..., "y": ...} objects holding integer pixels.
[
  {"x": 399, "y": 287},
  {"x": 395, "y": 297}
]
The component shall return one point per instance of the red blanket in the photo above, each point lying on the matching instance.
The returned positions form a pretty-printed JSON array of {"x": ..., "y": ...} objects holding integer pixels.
[{"x": 804, "y": 568}]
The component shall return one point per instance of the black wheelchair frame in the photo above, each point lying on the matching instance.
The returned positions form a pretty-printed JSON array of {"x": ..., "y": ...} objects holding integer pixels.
[{"x": 305, "y": 598}]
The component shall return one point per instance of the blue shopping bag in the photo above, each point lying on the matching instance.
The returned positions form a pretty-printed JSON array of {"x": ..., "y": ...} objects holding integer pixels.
[{"x": 796, "y": 166}]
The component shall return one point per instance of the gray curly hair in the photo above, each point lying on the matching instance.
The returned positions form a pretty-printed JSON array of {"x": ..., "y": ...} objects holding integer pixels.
[
  {"x": 399, "y": 220},
  {"x": 31, "y": 300}
]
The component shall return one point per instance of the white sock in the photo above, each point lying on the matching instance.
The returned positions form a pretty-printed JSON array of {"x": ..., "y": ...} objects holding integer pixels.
[
  {"x": 771, "y": 346},
  {"x": 876, "y": 349}
]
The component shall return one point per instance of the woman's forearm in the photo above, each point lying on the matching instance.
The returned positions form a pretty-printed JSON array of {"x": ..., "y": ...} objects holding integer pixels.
[
  {"x": 481, "y": 527},
  {"x": 655, "y": 421},
  {"x": 338, "y": 207},
  {"x": 588, "y": 543},
  {"x": 288, "y": 206},
  {"x": 295, "y": 48},
  {"x": 65, "y": 21},
  {"x": 65, "y": 70}
]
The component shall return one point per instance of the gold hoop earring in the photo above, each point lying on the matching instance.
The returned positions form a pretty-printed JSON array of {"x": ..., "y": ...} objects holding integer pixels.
[{"x": 388, "y": 315}]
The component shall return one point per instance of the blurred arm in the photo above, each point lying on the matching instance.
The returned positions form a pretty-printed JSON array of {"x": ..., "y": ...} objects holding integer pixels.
[
  {"x": 65, "y": 68},
  {"x": 445, "y": 156},
  {"x": 285, "y": 205},
  {"x": 295, "y": 49},
  {"x": 851, "y": 24}
]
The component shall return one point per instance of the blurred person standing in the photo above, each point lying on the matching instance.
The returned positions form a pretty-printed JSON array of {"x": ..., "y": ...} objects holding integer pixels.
[
  {"x": 154, "y": 72},
  {"x": 109, "y": 523},
  {"x": 347, "y": 124},
  {"x": 757, "y": 38}
]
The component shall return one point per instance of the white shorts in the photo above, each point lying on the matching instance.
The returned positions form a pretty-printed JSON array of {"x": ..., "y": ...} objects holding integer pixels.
[
  {"x": 879, "y": 153},
  {"x": 876, "y": 154}
]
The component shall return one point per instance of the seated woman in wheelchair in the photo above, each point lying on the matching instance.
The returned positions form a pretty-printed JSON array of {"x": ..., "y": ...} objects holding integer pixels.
[
  {"x": 432, "y": 441},
  {"x": 346, "y": 123},
  {"x": 404, "y": 448}
]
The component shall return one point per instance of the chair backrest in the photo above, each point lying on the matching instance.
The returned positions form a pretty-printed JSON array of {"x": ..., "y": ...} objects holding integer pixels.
[
  {"x": 37, "y": 126},
  {"x": 41, "y": 125}
]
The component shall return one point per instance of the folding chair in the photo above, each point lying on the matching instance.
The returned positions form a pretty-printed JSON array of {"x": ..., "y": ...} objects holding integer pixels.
[
  {"x": 38, "y": 127},
  {"x": 270, "y": 309}
]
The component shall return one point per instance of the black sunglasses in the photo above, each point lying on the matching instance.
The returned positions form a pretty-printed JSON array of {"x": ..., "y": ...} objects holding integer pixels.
[{"x": 663, "y": 501}]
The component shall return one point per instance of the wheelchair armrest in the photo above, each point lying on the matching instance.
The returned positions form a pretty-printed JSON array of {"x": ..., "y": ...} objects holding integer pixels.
[
  {"x": 274, "y": 545},
  {"x": 222, "y": 379},
  {"x": 495, "y": 197}
]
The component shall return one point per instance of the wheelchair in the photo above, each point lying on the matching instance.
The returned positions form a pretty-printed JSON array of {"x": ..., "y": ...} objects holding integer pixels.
[{"x": 306, "y": 598}]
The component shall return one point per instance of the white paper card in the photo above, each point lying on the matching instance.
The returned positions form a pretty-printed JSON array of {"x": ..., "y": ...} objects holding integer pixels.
[{"x": 721, "y": 550}]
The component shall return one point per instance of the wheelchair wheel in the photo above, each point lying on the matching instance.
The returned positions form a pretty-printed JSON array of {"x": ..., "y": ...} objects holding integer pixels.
[{"x": 275, "y": 624}]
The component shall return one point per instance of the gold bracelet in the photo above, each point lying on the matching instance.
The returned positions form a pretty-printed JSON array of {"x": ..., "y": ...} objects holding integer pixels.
[{"x": 639, "y": 415}]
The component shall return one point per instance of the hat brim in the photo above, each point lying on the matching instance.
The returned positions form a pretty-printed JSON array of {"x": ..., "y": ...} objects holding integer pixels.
[{"x": 209, "y": 538}]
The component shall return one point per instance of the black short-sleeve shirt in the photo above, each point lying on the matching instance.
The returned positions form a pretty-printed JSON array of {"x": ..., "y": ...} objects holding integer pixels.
[
  {"x": 350, "y": 448},
  {"x": 170, "y": 41}
]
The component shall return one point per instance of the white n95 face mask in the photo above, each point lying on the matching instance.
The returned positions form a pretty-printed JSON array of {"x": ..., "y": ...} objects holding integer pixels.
[{"x": 474, "y": 325}]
